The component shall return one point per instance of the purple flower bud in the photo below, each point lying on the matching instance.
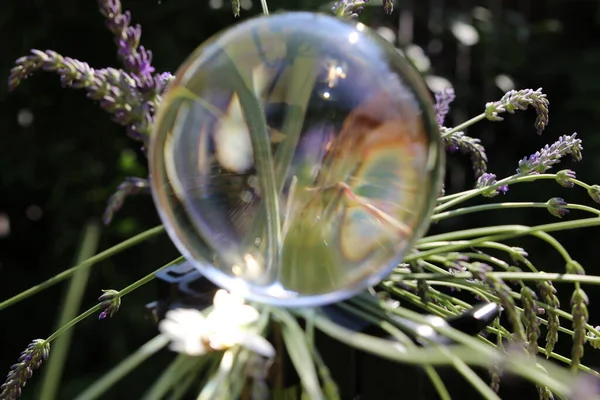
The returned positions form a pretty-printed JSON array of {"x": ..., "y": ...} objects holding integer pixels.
[
  {"x": 557, "y": 207},
  {"x": 488, "y": 179},
  {"x": 594, "y": 193},
  {"x": 110, "y": 301},
  {"x": 564, "y": 178}
]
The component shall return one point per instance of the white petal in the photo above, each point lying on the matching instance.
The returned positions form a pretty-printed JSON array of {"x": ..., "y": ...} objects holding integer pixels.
[
  {"x": 224, "y": 299},
  {"x": 246, "y": 315},
  {"x": 192, "y": 348},
  {"x": 171, "y": 329},
  {"x": 225, "y": 338},
  {"x": 257, "y": 344}
]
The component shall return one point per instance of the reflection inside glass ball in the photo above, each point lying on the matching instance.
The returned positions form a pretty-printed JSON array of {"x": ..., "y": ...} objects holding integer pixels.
[{"x": 295, "y": 159}]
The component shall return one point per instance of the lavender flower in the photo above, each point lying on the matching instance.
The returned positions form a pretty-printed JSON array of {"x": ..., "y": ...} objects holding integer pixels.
[
  {"x": 486, "y": 180},
  {"x": 565, "y": 177},
  {"x": 579, "y": 302},
  {"x": 548, "y": 296},
  {"x": 502, "y": 290},
  {"x": 130, "y": 96},
  {"x": 520, "y": 100},
  {"x": 556, "y": 207},
  {"x": 542, "y": 160},
  {"x": 129, "y": 187},
  {"x": 443, "y": 100},
  {"x": 135, "y": 58},
  {"x": 110, "y": 301},
  {"x": 30, "y": 360},
  {"x": 594, "y": 193},
  {"x": 530, "y": 319},
  {"x": 115, "y": 89},
  {"x": 349, "y": 8},
  {"x": 467, "y": 145}
]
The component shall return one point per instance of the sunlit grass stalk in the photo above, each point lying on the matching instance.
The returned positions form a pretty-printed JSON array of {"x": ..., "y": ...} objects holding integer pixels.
[
  {"x": 134, "y": 360},
  {"x": 86, "y": 264},
  {"x": 69, "y": 308}
]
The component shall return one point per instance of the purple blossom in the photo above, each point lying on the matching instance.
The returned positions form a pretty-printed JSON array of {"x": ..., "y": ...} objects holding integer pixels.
[
  {"x": 487, "y": 180},
  {"x": 467, "y": 145},
  {"x": 441, "y": 107},
  {"x": 131, "y": 95},
  {"x": 542, "y": 160},
  {"x": 30, "y": 360},
  {"x": 520, "y": 100},
  {"x": 129, "y": 187},
  {"x": 594, "y": 193},
  {"x": 110, "y": 301},
  {"x": 565, "y": 177},
  {"x": 557, "y": 207}
]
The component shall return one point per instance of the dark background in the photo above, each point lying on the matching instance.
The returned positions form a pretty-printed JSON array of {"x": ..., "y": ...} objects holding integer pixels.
[{"x": 58, "y": 170}]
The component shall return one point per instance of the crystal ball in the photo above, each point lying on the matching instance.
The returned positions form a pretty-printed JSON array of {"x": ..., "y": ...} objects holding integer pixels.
[{"x": 296, "y": 158}]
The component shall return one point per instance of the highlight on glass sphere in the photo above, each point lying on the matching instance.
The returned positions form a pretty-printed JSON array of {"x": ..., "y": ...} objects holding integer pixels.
[{"x": 296, "y": 158}]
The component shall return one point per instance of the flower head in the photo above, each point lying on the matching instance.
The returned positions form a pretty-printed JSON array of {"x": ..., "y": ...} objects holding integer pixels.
[
  {"x": 110, "y": 302},
  {"x": 520, "y": 100},
  {"x": 443, "y": 100},
  {"x": 594, "y": 193},
  {"x": 557, "y": 207},
  {"x": 542, "y": 160},
  {"x": 227, "y": 325},
  {"x": 488, "y": 179},
  {"x": 30, "y": 360},
  {"x": 565, "y": 178},
  {"x": 469, "y": 146}
]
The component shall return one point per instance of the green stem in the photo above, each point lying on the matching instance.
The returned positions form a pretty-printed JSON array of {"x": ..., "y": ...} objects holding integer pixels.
[
  {"x": 97, "y": 307},
  {"x": 265, "y": 7},
  {"x": 507, "y": 276},
  {"x": 474, "y": 353},
  {"x": 503, "y": 206},
  {"x": 99, "y": 387},
  {"x": 446, "y": 202},
  {"x": 471, "y": 376},
  {"x": 70, "y": 307},
  {"x": 463, "y": 126},
  {"x": 512, "y": 232},
  {"x": 86, "y": 264},
  {"x": 370, "y": 315}
]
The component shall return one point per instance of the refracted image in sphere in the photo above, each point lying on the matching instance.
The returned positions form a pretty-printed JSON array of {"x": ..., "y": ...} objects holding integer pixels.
[{"x": 296, "y": 159}]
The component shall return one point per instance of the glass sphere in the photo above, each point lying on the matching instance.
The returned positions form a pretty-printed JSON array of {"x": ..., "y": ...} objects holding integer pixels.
[{"x": 295, "y": 158}]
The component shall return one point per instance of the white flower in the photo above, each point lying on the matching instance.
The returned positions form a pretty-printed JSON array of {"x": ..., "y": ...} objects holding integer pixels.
[
  {"x": 227, "y": 325},
  {"x": 185, "y": 328}
]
